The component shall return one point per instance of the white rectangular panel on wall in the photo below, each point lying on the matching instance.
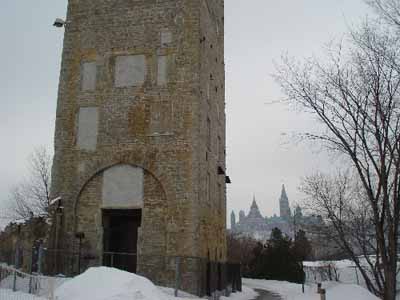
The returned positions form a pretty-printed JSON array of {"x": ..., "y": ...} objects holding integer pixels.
[
  {"x": 166, "y": 37},
  {"x": 162, "y": 70},
  {"x": 130, "y": 70},
  {"x": 89, "y": 76},
  {"x": 161, "y": 117},
  {"x": 88, "y": 120},
  {"x": 123, "y": 187}
]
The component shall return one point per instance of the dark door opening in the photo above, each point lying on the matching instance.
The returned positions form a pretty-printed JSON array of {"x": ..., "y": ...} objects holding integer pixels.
[{"x": 120, "y": 238}]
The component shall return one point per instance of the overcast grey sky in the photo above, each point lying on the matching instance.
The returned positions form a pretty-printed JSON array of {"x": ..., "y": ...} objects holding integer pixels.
[{"x": 260, "y": 155}]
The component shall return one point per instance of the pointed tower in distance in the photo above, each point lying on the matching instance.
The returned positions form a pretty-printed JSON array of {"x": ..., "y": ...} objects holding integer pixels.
[
  {"x": 284, "y": 204},
  {"x": 233, "y": 220},
  {"x": 254, "y": 210}
]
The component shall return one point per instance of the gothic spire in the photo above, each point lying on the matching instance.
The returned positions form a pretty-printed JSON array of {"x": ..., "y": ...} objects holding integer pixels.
[
  {"x": 283, "y": 192},
  {"x": 233, "y": 220},
  {"x": 254, "y": 204},
  {"x": 284, "y": 204},
  {"x": 254, "y": 210}
]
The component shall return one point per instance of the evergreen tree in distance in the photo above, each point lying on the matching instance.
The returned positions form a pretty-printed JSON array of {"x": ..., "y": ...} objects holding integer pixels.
[{"x": 278, "y": 259}]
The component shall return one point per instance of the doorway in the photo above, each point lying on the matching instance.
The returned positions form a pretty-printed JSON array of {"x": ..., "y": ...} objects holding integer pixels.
[{"x": 120, "y": 238}]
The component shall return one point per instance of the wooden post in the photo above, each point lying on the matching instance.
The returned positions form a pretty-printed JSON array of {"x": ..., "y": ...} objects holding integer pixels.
[
  {"x": 177, "y": 276},
  {"x": 40, "y": 257},
  {"x": 323, "y": 294},
  {"x": 52, "y": 288}
]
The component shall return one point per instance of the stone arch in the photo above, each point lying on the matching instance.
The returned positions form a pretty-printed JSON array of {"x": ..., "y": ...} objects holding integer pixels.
[
  {"x": 105, "y": 166},
  {"x": 89, "y": 204}
]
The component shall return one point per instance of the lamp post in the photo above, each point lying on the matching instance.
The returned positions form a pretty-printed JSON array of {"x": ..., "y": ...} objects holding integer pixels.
[{"x": 80, "y": 236}]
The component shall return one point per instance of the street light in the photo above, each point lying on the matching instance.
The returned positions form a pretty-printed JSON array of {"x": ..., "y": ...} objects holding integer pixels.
[{"x": 59, "y": 23}]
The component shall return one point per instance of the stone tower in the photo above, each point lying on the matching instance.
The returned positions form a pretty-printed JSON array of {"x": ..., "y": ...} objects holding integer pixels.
[
  {"x": 233, "y": 220},
  {"x": 140, "y": 138},
  {"x": 284, "y": 205}
]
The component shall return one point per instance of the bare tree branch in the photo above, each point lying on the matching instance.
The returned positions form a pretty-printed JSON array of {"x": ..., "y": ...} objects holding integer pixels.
[
  {"x": 31, "y": 196},
  {"x": 355, "y": 95}
]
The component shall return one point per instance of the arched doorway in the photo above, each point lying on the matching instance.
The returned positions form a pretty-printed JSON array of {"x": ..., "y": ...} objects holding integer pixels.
[
  {"x": 122, "y": 204},
  {"x": 122, "y": 212}
]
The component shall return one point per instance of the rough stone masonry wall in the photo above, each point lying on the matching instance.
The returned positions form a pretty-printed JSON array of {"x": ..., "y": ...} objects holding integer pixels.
[
  {"x": 212, "y": 147},
  {"x": 167, "y": 123}
]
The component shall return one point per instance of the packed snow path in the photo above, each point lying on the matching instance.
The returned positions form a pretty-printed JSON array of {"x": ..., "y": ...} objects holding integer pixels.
[{"x": 265, "y": 295}]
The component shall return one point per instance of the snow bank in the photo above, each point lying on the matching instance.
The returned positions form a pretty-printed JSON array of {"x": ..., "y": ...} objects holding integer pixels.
[
  {"x": 171, "y": 293},
  {"x": 283, "y": 288},
  {"x": 10, "y": 295},
  {"x": 293, "y": 291},
  {"x": 246, "y": 294},
  {"x": 345, "y": 263},
  {"x": 104, "y": 283},
  {"x": 349, "y": 291}
]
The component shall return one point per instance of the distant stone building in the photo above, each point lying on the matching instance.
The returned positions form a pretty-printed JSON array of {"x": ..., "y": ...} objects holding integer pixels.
[
  {"x": 139, "y": 164},
  {"x": 252, "y": 225},
  {"x": 255, "y": 225}
]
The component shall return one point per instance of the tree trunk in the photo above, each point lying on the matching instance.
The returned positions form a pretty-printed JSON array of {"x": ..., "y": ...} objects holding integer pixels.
[{"x": 390, "y": 286}]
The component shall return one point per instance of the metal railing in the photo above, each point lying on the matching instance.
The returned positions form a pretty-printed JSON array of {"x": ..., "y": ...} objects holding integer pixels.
[
  {"x": 212, "y": 278},
  {"x": 15, "y": 284}
]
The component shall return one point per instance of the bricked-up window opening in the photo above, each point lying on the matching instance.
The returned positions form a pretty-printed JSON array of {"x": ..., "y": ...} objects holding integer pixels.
[
  {"x": 123, "y": 187},
  {"x": 130, "y": 70},
  {"x": 88, "y": 76},
  {"x": 120, "y": 238},
  {"x": 161, "y": 117},
  {"x": 162, "y": 70},
  {"x": 88, "y": 119},
  {"x": 166, "y": 38}
]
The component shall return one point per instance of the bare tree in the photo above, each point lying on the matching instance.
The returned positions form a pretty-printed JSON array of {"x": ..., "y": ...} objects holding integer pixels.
[
  {"x": 355, "y": 95},
  {"x": 341, "y": 201},
  {"x": 241, "y": 250},
  {"x": 31, "y": 196},
  {"x": 389, "y": 10}
]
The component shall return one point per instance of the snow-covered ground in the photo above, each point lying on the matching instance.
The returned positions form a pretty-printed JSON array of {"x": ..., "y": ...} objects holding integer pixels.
[
  {"x": 293, "y": 291},
  {"x": 6, "y": 294},
  {"x": 246, "y": 294},
  {"x": 104, "y": 283},
  {"x": 345, "y": 270}
]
